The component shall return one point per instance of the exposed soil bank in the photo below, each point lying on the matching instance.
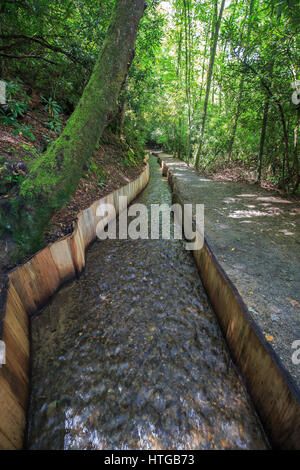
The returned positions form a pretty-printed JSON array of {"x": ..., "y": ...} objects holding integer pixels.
[{"x": 131, "y": 356}]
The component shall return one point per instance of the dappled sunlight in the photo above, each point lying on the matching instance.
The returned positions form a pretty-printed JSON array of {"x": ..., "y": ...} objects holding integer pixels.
[
  {"x": 228, "y": 200},
  {"x": 255, "y": 212},
  {"x": 278, "y": 200},
  {"x": 239, "y": 214},
  {"x": 286, "y": 232},
  {"x": 295, "y": 211},
  {"x": 274, "y": 211}
]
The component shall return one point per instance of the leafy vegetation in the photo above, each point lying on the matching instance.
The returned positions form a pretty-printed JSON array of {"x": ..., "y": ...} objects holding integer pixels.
[
  {"x": 16, "y": 103},
  {"x": 54, "y": 110},
  {"x": 211, "y": 81},
  {"x": 218, "y": 86}
]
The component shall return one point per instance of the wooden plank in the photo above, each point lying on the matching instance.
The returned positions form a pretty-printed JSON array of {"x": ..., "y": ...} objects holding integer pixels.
[
  {"x": 78, "y": 252},
  {"x": 15, "y": 327},
  {"x": 86, "y": 226},
  {"x": 22, "y": 282},
  {"x": 17, "y": 355},
  {"x": 5, "y": 443},
  {"x": 16, "y": 338},
  {"x": 12, "y": 423},
  {"x": 13, "y": 301},
  {"x": 61, "y": 253},
  {"x": 17, "y": 385},
  {"x": 36, "y": 280},
  {"x": 46, "y": 276}
]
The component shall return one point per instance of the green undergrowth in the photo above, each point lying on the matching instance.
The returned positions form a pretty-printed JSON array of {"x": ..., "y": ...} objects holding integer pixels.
[{"x": 24, "y": 214}]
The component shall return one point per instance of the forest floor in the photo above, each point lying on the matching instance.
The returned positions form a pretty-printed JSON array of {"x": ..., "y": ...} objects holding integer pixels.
[
  {"x": 108, "y": 170},
  {"x": 255, "y": 235},
  {"x": 239, "y": 171}
]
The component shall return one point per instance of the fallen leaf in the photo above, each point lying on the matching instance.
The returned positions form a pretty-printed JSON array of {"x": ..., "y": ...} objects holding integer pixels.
[
  {"x": 293, "y": 302},
  {"x": 269, "y": 338}
]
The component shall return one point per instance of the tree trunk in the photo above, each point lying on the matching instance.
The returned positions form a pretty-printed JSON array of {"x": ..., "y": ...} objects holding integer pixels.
[
  {"x": 54, "y": 176},
  {"x": 264, "y": 126},
  {"x": 236, "y": 118},
  {"x": 198, "y": 102},
  {"x": 285, "y": 160},
  {"x": 241, "y": 86},
  {"x": 180, "y": 112},
  {"x": 116, "y": 123},
  {"x": 215, "y": 36},
  {"x": 296, "y": 156},
  {"x": 262, "y": 137},
  {"x": 187, "y": 26}
]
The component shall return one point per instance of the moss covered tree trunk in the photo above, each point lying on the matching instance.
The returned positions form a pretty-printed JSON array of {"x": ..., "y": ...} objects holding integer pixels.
[{"x": 54, "y": 176}]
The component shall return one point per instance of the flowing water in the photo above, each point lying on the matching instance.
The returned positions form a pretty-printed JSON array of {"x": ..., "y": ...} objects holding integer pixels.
[{"x": 131, "y": 356}]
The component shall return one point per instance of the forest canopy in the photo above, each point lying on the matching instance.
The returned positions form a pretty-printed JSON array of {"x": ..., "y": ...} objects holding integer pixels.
[{"x": 213, "y": 82}]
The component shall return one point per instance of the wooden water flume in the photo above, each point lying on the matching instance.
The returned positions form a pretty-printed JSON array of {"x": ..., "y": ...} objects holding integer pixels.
[{"x": 30, "y": 286}]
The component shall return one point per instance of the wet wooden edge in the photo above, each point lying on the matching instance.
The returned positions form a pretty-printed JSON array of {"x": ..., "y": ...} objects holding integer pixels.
[{"x": 30, "y": 286}]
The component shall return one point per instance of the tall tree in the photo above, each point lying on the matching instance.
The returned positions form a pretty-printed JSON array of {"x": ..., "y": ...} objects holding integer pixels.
[
  {"x": 262, "y": 137},
  {"x": 215, "y": 36},
  {"x": 264, "y": 127},
  {"x": 178, "y": 142},
  {"x": 242, "y": 79},
  {"x": 54, "y": 176},
  {"x": 187, "y": 27}
]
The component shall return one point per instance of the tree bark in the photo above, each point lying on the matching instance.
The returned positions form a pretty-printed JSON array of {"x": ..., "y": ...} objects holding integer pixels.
[
  {"x": 215, "y": 36},
  {"x": 178, "y": 126},
  {"x": 262, "y": 137},
  {"x": 54, "y": 176},
  {"x": 203, "y": 68},
  {"x": 264, "y": 125},
  {"x": 267, "y": 87},
  {"x": 241, "y": 85},
  {"x": 296, "y": 156},
  {"x": 187, "y": 26},
  {"x": 236, "y": 118}
]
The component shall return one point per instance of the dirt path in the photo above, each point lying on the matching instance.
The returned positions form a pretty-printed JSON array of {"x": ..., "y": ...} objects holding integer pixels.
[{"x": 254, "y": 233}]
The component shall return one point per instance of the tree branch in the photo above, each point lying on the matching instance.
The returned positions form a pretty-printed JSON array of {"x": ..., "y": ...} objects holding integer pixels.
[
  {"x": 7, "y": 56},
  {"x": 41, "y": 41}
]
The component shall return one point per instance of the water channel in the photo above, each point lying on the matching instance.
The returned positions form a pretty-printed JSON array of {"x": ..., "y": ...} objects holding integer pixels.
[{"x": 131, "y": 356}]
